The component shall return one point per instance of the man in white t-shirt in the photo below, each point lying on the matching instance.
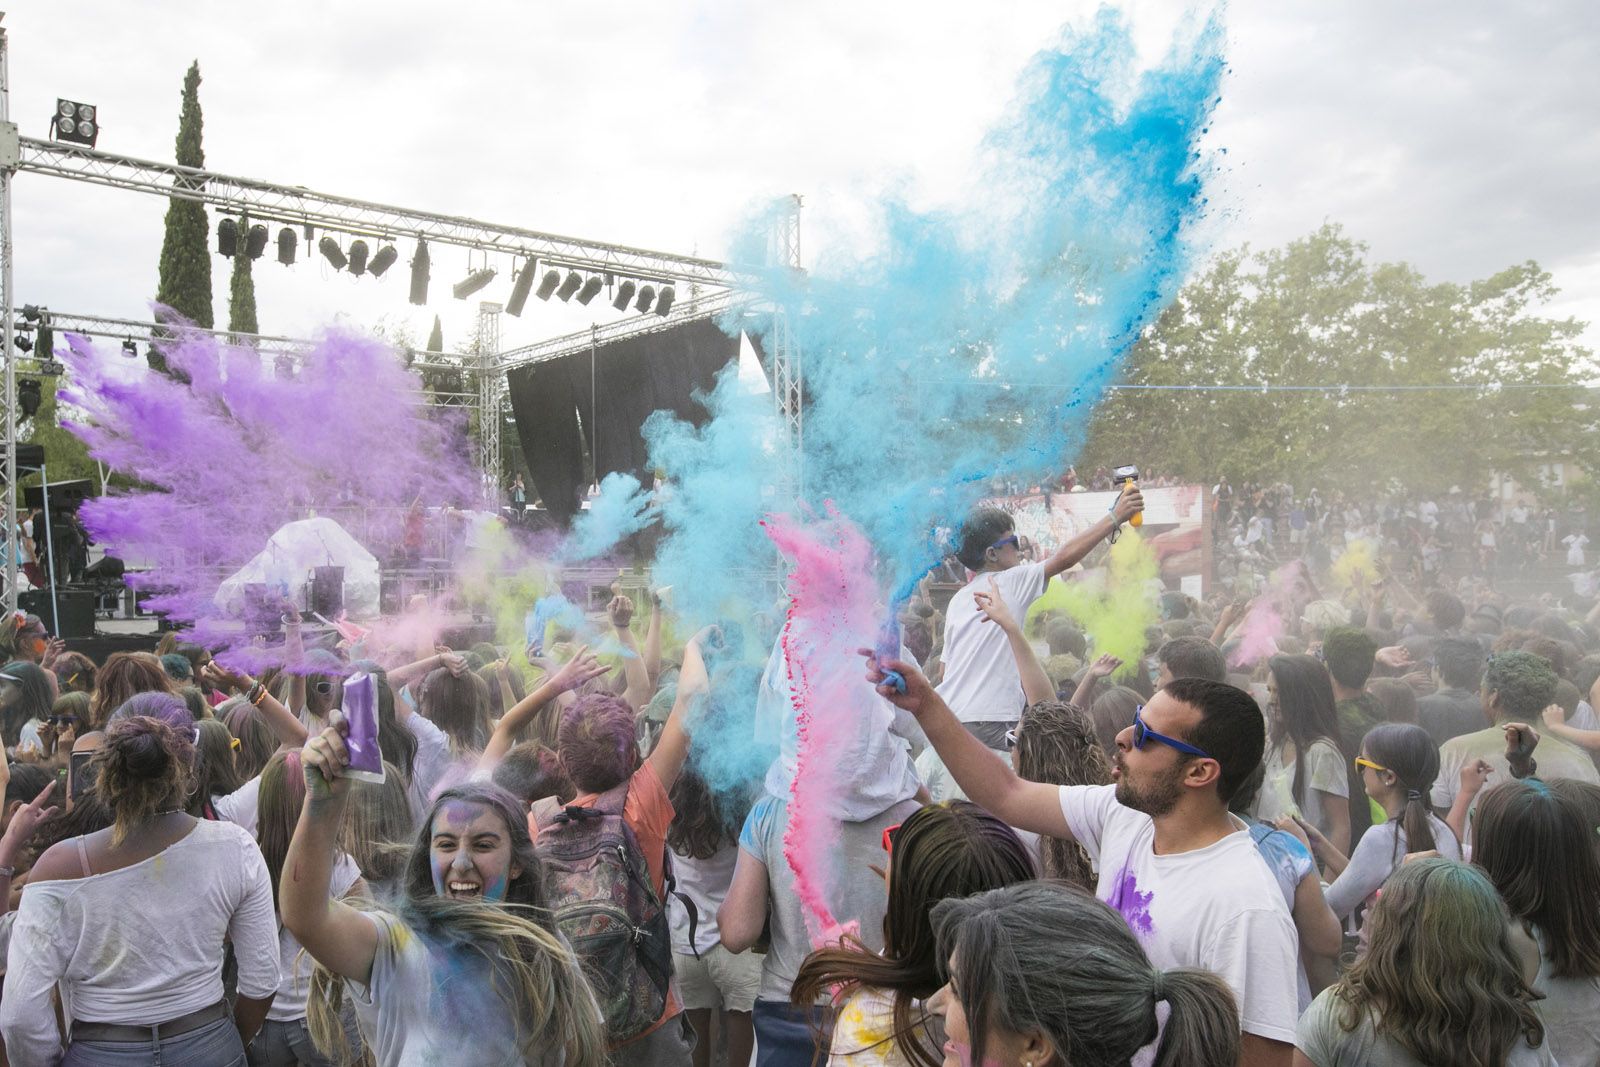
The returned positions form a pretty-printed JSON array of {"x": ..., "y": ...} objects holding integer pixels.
[
  {"x": 981, "y": 684},
  {"x": 1183, "y": 872}
]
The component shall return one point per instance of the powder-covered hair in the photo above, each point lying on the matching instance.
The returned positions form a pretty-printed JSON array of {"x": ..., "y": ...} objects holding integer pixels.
[
  {"x": 1056, "y": 743},
  {"x": 1524, "y": 684},
  {"x": 257, "y": 742},
  {"x": 141, "y": 771},
  {"x": 75, "y": 673},
  {"x": 1440, "y": 977},
  {"x": 598, "y": 744},
  {"x": 458, "y": 706},
  {"x": 1092, "y": 992},
  {"x": 537, "y": 976},
  {"x": 943, "y": 852}
]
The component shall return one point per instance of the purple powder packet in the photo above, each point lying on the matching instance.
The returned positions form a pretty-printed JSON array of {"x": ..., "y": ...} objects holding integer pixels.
[{"x": 361, "y": 712}]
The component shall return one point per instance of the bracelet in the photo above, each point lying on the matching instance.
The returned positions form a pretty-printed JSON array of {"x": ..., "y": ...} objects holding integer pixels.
[
  {"x": 8, "y": 872},
  {"x": 257, "y": 694}
]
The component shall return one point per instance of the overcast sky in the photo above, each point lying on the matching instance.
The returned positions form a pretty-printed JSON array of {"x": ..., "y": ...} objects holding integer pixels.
[{"x": 1461, "y": 136}]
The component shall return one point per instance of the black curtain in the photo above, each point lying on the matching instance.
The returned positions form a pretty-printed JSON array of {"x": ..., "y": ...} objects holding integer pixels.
[{"x": 632, "y": 378}]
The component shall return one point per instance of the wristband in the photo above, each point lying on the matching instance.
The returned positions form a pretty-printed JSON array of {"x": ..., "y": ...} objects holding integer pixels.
[
  {"x": 8, "y": 872},
  {"x": 257, "y": 694}
]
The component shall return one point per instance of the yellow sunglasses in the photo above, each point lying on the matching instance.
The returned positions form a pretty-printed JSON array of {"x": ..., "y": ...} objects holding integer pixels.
[{"x": 1362, "y": 761}]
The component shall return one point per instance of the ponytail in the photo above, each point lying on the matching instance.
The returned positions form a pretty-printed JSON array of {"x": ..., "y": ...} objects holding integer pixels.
[
  {"x": 1204, "y": 1024},
  {"x": 1415, "y": 822}
]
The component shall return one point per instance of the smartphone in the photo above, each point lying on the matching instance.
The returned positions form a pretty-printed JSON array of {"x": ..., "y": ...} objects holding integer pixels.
[{"x": 78, "y": 771}]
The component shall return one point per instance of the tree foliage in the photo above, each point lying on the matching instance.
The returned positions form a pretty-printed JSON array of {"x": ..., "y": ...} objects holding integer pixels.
[
  {"x": 1316, "y": 313},
  {"x": 185, "y": 283},
  {"x": 436, "y": 336},
  {"x": 242, "y": 289}
]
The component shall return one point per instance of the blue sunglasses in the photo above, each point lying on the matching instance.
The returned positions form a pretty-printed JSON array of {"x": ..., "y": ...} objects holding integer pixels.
[
  {"x": 1143, "y": 733},
  {"x": 1009, "y": 539}
]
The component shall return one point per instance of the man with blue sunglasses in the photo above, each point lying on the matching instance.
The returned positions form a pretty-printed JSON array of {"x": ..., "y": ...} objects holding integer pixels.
[
  {"x": 980, "y": 680},
  {"x": 1182, "y": 870}
]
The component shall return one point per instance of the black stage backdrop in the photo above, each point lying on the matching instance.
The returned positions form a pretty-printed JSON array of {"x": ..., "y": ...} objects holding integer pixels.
[{"x": 632, "y": 378}]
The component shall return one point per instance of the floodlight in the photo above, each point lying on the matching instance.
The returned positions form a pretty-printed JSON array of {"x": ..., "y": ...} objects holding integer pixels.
[
  {"x": 382, "y": 261},
  {"x": 332, "y": 253},
  {"x": 521, "y": 288},
  {"x": 664, "y": 300},
  {"x": 472, "y": 283},
  {"x": 624, "y": 296},
  {"x": 570, "y": 286},
  {"x": 129, "y": 349},
  {"x": 255, "y": 241},
  {"x": 29, "y": 397},
  {"x": 286, "y": 245},
  {"x": 590, "y": 290},
  {"x": 75, "y": 123},
  {"x": 647, "y": 297},
  {"x": 228, "y": 238},
  {"x": 358, "y": 258},
  {"x": 547, "y": 286}
]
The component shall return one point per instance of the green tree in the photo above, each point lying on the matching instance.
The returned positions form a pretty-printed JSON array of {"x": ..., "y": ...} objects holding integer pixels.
[
  {"x": 1317, "y": 315},
  {"x": 185, "y": 284},
  {"x": 436, "y": 337},
  {"x": 242, "y": 289}
]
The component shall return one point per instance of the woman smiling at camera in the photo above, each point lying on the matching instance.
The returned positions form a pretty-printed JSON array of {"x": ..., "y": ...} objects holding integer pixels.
[{"x": 467, "y": 967}]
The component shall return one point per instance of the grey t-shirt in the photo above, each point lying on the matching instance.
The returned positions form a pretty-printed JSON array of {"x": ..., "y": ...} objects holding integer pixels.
[
  {"x": 850, "y": 887},
  {"x": 1378, "y": 855},
  {"x": 1323, "y": 1041}
]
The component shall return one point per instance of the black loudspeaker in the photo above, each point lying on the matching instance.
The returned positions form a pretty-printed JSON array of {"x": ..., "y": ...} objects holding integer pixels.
[
  {"x": 327, "y": 591},
  {"x": 77, "y": 610},
  {"x": 106, "y": 568}
]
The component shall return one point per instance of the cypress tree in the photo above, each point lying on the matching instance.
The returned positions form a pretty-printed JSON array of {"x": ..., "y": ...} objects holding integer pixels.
[
  {"x": 436, "y": 338},
  {"x": 185, "y": 284},
  {"x": 242, "y": 288}
]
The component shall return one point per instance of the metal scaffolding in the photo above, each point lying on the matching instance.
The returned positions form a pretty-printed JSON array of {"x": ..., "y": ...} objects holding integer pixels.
[{"x": 491, "y": 387}]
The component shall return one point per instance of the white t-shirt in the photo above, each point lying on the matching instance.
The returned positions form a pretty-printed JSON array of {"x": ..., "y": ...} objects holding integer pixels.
[
  {"x": 981, "y": 682},
  {"x": 143, "y": 944},
  {"x": 1324, "y": 773},
  {"x": 431, "y": 1005},
  {"x": 1217, "y": 907},
  {"x": 431, "y": 763},
  {"x": 1570, "y": 1010},
  {"x": 242, "y": 806},
  {"x": 706, "y": 883},
  {"x": 1379, "y": 854},
  {"x": 294, "y": 966}
]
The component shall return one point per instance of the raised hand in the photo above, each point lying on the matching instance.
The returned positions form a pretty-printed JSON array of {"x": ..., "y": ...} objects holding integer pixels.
[
  {"x": 1128, "y": 504},
  {"x": 992, "y": 606},
  {"x": 620, "y": 611},
  {"x": 25, "y": 823},
  {"x": 1474, "y": 775},
  {"x": 324, "y": 760},
  {"x": 919, "y": 694},
  {"x": 581, "y": 668},
  {"x": 1105, "y": 666}
]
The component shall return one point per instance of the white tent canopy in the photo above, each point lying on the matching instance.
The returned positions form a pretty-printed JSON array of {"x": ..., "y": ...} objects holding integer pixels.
[{"x": 289, "y": 558}]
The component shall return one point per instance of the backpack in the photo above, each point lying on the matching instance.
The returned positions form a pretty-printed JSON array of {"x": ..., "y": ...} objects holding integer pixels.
[{"x": 605, "y": 906}]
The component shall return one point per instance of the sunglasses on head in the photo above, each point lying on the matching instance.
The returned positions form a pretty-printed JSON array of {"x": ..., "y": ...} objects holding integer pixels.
[
  {"x": 889, "y": 834},
  {"x": 1143, "y": 734}
]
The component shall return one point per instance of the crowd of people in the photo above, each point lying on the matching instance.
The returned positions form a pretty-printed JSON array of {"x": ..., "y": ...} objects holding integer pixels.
[{"x": 1375, "y": 842}]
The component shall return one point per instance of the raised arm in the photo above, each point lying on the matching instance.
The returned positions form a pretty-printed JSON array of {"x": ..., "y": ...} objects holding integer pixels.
[
  {"x": 1128, "y": 503},
  {"x": 637, "y": 694},
  {"x": 284, "y": 724},
  {"x": 987, "y": 779},
  {"x": 666, "y": 759},
  {"x": 1036, "y": 684},
  {"x": 1102, "y": 668},
  {"x": 577, "y": 670},
  {"x": 404, "y": 675},
  {"x": 1555, "y": 721},
  {"x": 652, "y": 641},
  {"x": 336, "y": 935}
]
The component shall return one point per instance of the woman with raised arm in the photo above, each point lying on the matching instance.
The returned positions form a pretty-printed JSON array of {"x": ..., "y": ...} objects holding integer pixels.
[{"x": 468, "y": 967}]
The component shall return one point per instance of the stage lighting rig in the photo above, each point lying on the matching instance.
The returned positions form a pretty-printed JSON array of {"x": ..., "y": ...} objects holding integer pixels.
[
  {"x": 332, "y": 253},
  {"x": 419, "y": 274},
  {"x": 570, "y": 286},
  {"x": 472, "y": 283},
  {"x": 522, "y": 287},
  {"x": 130, "y": 349},
  {"x": 591, "y": 289},
  {"x": 358, "y": 258},
  {"x": 664, "y": 300},
  {"x": 548, "y": 284},
  {"x": 255, "y": 241},
  {"x": 625, "y": 293},
  {"x": 29, "y": 397},
  {"x": 647, "y": 297},
  {"x": 23, "y": 342},
  {"x": 75, "y": 123},
  {"x": 227, "y": 238},
  {"x": 382, "y": 261},
  {"x": 31, "y": 312},
  {"x": 287, "y": 241}
]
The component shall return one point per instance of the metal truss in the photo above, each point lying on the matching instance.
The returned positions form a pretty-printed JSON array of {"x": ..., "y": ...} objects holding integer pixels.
[
  {"x": 491, "y": 386},
  {"x": 299, "y": 206},
  {"x": 634, "y": 326}
]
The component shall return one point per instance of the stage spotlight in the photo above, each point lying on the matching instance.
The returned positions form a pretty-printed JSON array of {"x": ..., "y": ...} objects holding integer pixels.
[
  {"x": 255, "y": 242},
  {"x": 75, "y": 123},
  {"x": 129, "y": 349},
  {"x": 332, "y": 253},
  {"x": 419, "y": 273},
  {"x": 647, "y": 297},
  {"x": 624, "y": 296},
  {"x": 522, "y": 287},
  {"x": 31, "y": 312},
  {"x": 547, "y": 286},
  {"x": 382, "y": 261},
  {"x": 29, "y": 397},
  {"x": 570, "y": 286},
  {"x": 591, "y": 289},
  {"x": 286, "y": 246},
  {"x": 472, "y": 282},
  {"x": 664, "y": 300},
  {"x": 23, "y": 342},
  {"x": 228, "y": 238},
  {"x": 358, "y": 258}
]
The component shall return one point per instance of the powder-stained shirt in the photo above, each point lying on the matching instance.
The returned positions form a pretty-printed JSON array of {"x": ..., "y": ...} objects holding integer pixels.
[
  {"x": 1217, "y": 907},
  {"x": 430, "y": 1005},
  {"x": 1322, "y": 1039},
  {"x": 852, "y": 890},
  {"x": 863, "y": 1032},
  {"x": 1556, "y": 759},
  {"x": 143, "y": 943}
]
